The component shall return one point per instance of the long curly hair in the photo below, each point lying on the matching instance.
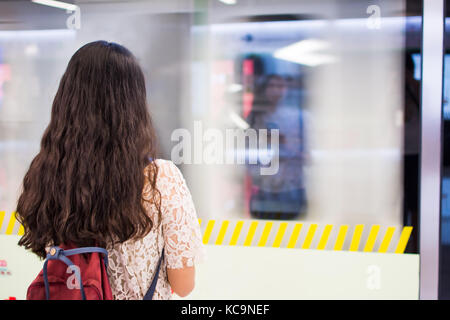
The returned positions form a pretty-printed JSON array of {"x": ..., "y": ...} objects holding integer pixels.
[{"x": 85, "y": 186}]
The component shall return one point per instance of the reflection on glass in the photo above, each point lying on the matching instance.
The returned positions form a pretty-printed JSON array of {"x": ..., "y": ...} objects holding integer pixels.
[{"x": 281, "y": 195}]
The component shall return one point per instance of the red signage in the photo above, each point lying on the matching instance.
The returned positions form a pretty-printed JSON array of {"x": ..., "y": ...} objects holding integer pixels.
[{"x": 3, "y": 268}]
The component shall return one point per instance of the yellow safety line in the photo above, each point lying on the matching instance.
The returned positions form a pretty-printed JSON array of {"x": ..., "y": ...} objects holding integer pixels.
[
  {"x": 404, "y": 237},
  {"x": 387, "y": 239},
  {"x": 294, "y": 236},
  {"x": 325, "y": 235},
  {"x": 236, "y": 232},
  {"x": 265, "y": 234},
  {"x": 354, "y": 245},
  {"x": 251, "y": 233},
  {"x": 209, "y": 228},
  {"x": 21, "y": 231},
  {"x": 309, "y": 236},
  {"x": 222, "y": 232},
  {"x": 12, "y": 222},
  {"x": 2, "y": 216},
  {"x": 280, "y": 234},
  {"x": 370, "y": 243},
  {"x": 341, "y": 238}
]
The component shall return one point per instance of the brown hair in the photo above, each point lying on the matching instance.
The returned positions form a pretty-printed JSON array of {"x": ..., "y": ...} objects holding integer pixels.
[{"x": 85, "y": 185}]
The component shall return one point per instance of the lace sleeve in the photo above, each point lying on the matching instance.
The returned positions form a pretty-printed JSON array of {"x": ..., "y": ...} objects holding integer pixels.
[{"x": 181, "y": 230}]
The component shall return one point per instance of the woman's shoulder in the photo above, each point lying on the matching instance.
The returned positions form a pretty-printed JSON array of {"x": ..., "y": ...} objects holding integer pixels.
[
  {"x": 167, "y": 170},
  {"x": 168, "y": 179},
  {"x": 166, "y": 167}
]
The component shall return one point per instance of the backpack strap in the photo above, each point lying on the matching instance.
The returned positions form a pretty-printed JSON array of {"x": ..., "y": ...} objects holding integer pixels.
[
  {"x": 56, "y": 253},
  {"x": 71, "y": 252},
  {"x": 151, "y": 290}
]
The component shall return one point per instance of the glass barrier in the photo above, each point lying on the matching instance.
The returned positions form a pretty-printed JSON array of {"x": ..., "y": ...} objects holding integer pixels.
[{"x": 287, "y": 112}]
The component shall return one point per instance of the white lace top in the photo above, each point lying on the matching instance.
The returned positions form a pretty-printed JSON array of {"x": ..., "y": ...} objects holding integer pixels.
[{"x": 132, "y": 264}]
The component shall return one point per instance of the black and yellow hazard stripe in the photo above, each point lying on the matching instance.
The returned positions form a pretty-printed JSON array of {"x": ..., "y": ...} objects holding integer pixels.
[{"x": 282, "y": 234}]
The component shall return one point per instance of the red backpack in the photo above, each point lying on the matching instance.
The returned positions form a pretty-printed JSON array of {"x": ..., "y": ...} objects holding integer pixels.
[
  {"x": 77, "y": 278},
  {"x": 64, "y": 279}
]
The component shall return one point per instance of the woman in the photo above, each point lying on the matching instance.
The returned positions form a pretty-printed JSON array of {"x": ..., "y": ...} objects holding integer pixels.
[{"x": 93, "y": 182}]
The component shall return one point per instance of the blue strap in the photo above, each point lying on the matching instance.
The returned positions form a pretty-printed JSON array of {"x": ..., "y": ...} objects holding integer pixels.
[
  {"x": 151, "y": 290},
  {"x": 61, "y": 255},
  {"x": 47, "y": 290},
  {"x": 71, "y": 252}
]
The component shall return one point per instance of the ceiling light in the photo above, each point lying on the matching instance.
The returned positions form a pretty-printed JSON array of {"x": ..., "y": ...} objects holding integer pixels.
[
  {"x": 57, "y": 4},
  {"x": 229, "y": 2},
  {"x": 235, "y": 87},
  {"x": 305, "y": 52}
]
